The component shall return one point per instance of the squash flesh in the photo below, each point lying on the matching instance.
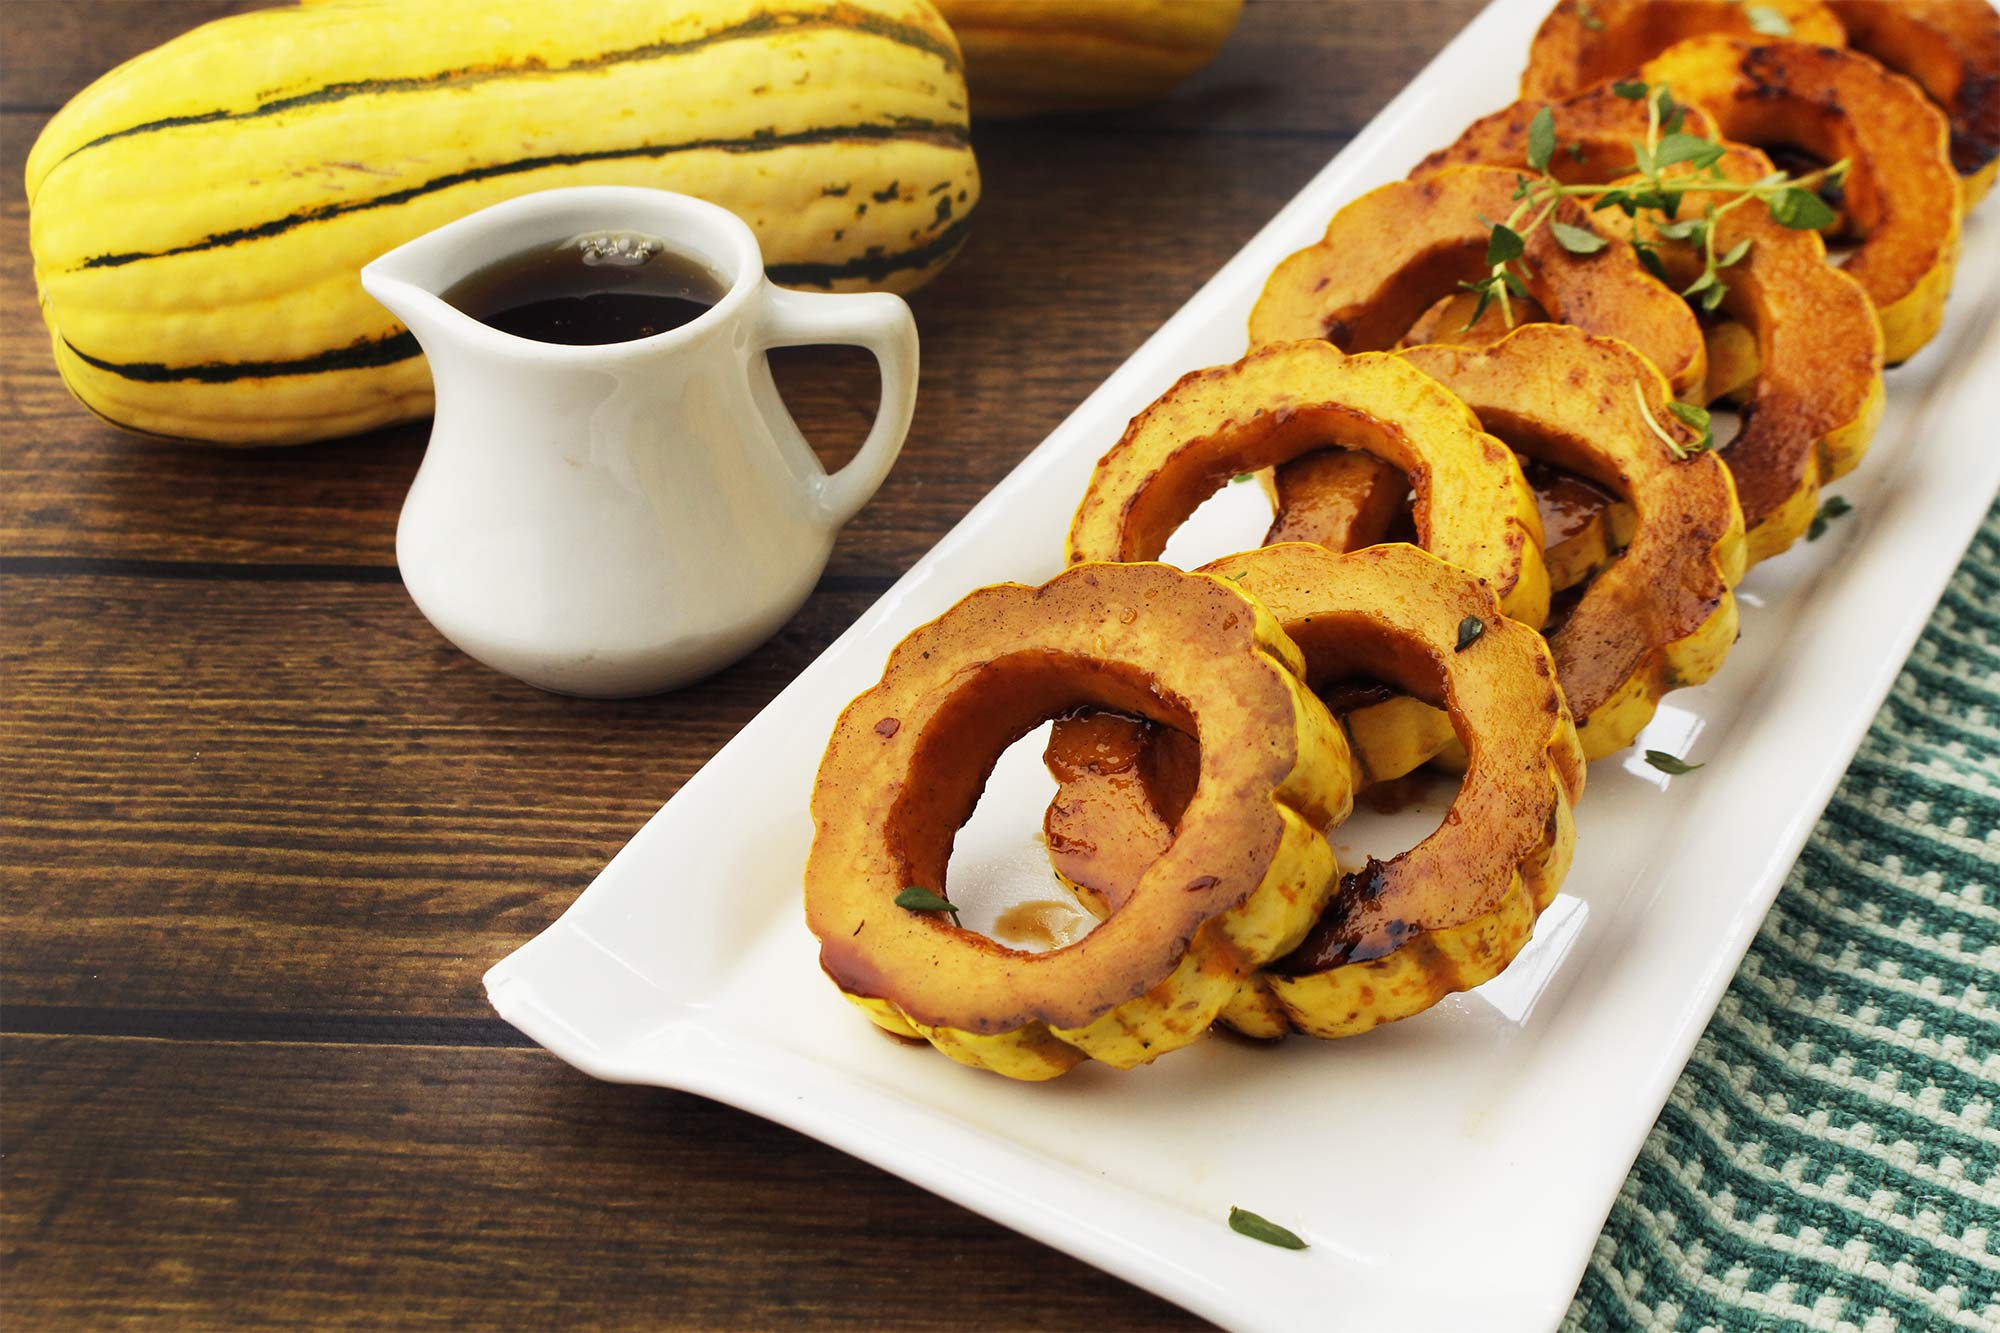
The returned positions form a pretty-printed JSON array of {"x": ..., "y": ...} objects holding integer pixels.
[
  {"x": 1452, "y": 912},
  {"x": 1661, "y": 615},
  {"x": 1584, "y": 42},
  {"x": 1240, "y": 885},
  {"x": 1952, "y": 49},
  {"x": 1388, "y": 256},
  {"x": 1901, "y": 194},
  {"x": 1279, "y": 407},
  {"x": 1814, "y": 364}
]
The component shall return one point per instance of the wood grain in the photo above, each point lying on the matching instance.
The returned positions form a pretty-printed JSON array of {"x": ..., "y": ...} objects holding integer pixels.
[
  {"x": 203, "y": 1184},
  {"x": 261, "y": 830}
]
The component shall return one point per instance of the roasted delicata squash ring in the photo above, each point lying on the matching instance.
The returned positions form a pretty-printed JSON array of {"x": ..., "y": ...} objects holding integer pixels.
[
  {"x": 1661, "y": 615},
  {"x": 1244, "y": 879},
  {"x": 1952, "y": 49},
  {"x": 1584, "y": 42},
  {"x": 1817, "y": 397},
  {"x": 1391, "y": 254},
  {"x": 1817, "y": 357},
  {"x": 1451, "y": 912},
  {"x": 1594, "y": 133},
  {"x": 1285, "y": 402},
  {"x": 1901, "y": 195}
]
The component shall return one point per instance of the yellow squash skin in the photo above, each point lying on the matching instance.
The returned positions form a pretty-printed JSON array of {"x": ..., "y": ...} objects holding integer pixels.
[
  {"x": 1029, "y": 57},
  {"x": 1242, "y": 883},
  {"x": 199, "y": 215}
]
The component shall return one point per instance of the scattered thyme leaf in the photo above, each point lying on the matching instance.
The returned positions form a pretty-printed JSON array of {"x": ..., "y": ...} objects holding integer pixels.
[
  {"x": 1241, "y": 477},
  {"x": 1833, "y": 507},
  {"x": 1588, "y": 16},
  {"x": 1576, "y": 240},
  {"x": 1504, "y": 245},
  {"x": 1542, "y": 139},
  {"x": 914, "y": 899},
  {"x": 1469, "y": 630},
  {"x": 1246, "y": 1223},
  {"x": 1670, "y": 764},
  {"x": 1736, "y": 253},
  {"x": 1629, "y": 89},
  {"x": 1768, "y": 21}
]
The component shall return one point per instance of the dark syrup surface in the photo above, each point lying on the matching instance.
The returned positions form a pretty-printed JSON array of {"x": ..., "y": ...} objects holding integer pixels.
[{"x": 608, "y": 287}]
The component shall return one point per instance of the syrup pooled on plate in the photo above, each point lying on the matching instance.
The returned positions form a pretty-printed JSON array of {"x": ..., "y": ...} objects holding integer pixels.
[{"x": 606, "y": 287}]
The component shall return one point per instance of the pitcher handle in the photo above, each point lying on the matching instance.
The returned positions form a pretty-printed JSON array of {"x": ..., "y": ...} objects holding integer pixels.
[{"x": 881, "y": 323}]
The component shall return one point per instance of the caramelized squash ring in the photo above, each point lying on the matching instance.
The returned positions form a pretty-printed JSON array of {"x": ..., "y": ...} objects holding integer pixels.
[
  {"x": 1661, "y": 615},
  {"x": 1241, "y": 884},
  {"x": 1453, "y": 911},
  {"x": 1952, "y": 49},
  {"x": 1391, "y": 254},
  {"x": 1901, "y": 194},
  {"x": 1287, "y": 401},
  {"x": 1585, "y": 42},
  {"x": 1817, "y": 395}
]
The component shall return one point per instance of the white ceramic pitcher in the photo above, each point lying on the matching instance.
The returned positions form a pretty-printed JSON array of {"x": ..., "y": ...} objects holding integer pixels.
[{"x": 620, "y": 519}]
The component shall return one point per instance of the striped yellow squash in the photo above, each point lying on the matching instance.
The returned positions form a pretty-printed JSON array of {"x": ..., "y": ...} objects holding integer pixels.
[{"x": 199, "y": 215}]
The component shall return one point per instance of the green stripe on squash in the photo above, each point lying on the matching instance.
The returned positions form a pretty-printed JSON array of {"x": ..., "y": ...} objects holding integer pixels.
[{"x": 761, "y": 25}]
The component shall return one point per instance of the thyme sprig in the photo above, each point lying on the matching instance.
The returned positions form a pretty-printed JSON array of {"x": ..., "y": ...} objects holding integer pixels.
[{"x": 1792, "y": 202}]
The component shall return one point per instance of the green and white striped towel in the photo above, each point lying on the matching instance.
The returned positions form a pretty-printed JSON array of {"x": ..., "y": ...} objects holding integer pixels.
[{"x": 1831, "y": 1158}]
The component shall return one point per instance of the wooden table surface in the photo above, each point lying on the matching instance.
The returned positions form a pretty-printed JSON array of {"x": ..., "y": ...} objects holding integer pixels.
[{"x": 264, "y": 830}]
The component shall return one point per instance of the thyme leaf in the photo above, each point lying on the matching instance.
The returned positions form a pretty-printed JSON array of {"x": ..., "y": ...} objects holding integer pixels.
[
  {"x": 914, "y": 899},
  {"x": 1246, "y": 1223}
]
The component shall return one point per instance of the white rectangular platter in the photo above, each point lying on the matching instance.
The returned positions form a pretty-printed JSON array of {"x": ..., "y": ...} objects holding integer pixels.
[{"x": 1450, "y": 1172}]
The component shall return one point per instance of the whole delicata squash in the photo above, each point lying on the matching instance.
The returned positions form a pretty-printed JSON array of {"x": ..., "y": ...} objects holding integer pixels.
[
  {"x": 1290, "y": 400},
  {"x": 1813, "y": 368},
  {"x": 1391, "y": 254},
  {"x": 1661, "y": 615},
  {"x": 199, "y": 216},
  {"x": 1399, "y": 935},
  {"x": 1584, "y": 42},
  {"x": 1241, "y": 884},
  {"x": 1901, "y": 195},
  {"x": 1952, "y": 49}
]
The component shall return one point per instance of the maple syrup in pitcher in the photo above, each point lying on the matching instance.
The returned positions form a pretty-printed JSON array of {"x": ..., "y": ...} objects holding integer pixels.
[{"x": 606, "y": 287}]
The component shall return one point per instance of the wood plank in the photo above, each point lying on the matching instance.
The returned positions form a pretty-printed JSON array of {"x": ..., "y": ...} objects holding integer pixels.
[
  {"x": 295, "y": 796},
  {"x": 1291, "y": 66},
  {"x": 1073, "y": 263},
  {"x": 217, "y": 1185},
  {"x": 49, "y": 49},
  {"x": 1307, "y": 67}
]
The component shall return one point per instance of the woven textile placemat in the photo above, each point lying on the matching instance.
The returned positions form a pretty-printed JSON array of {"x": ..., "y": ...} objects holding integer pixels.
[{"x": 1830, "y": 1160}]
